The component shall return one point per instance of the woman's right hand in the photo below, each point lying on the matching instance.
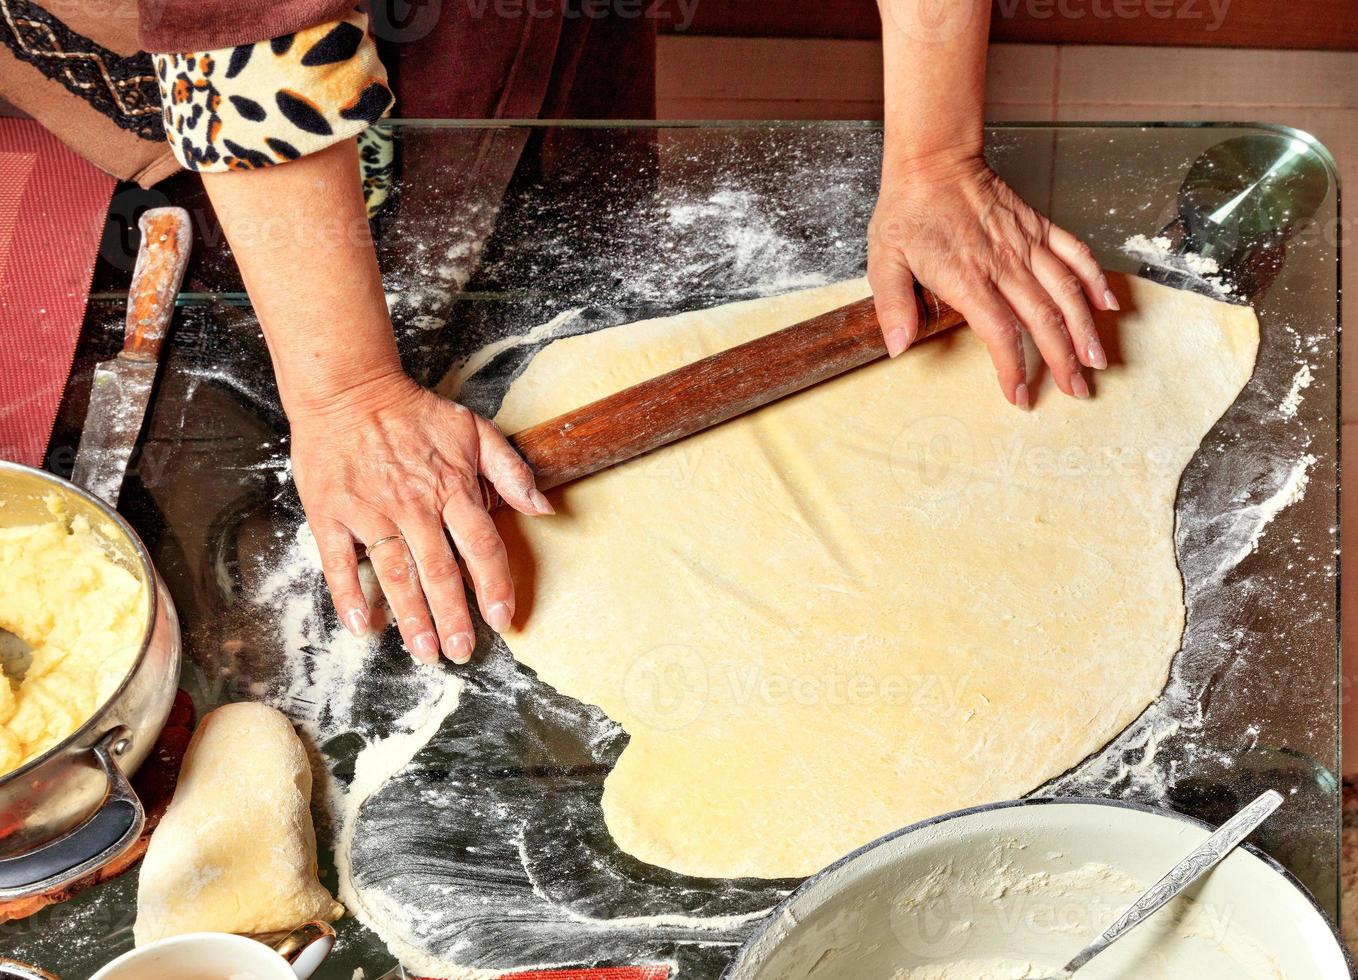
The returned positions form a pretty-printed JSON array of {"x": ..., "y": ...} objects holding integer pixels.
[
  {"x": 391, "y": 465},
  {"x": 377, "y": 460}
]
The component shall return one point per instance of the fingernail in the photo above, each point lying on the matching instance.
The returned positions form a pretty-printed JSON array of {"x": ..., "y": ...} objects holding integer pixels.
[
  {"x": 356, "y": 621},
  {"x": 1098, "y": 360},
  {"x": 459, "y": 647},
  {"x": 1021, "y": 396},
  {"x": 896, "y": 342},
  {"x": 498, "y": 616},
  {"x": 1078, "y": 386},
  {"x": 540, "y": 502},
  {"x": 427, "y": 648},
  {"x": 1110, "y": 301}
]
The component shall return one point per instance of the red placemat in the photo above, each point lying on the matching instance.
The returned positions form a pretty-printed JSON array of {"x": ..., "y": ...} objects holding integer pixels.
[
  {"x": 52, "y": 208},
  {"x": 611, "y": 973}
]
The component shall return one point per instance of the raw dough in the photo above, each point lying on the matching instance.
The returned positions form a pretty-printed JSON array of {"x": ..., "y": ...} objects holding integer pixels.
[
  {"x": 82, "y": 615},
  {"x": 876, "y": 601},
  {"x": 235, "y": 851}
]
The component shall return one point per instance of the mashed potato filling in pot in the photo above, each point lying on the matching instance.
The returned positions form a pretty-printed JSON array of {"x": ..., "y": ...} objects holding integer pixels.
[{"x": 82, "y": 615}]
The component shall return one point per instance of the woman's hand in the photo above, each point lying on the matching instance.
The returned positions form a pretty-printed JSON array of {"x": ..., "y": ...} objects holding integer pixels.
[
  {"x": 390, "y": 465},
  {"x": 963, "y": 232},
  {"x": 378, "y": 460}
]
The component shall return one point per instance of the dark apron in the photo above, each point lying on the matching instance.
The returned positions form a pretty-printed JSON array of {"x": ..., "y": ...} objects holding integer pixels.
[
  {"x": 519, "y": 59},
  {"x": 492, "y": 59}
]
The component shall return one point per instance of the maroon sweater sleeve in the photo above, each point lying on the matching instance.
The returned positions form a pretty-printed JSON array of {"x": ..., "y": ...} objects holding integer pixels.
[{"x": 205, "y": 25}]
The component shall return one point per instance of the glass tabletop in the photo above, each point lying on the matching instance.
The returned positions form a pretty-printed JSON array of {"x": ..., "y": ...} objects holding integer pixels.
[{"x": 491, "y": 230}]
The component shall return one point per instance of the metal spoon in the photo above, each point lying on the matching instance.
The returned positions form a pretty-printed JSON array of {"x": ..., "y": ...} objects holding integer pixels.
[
  {"x": 16, "y": 656},
  {"x": 1199, "y": 861}
]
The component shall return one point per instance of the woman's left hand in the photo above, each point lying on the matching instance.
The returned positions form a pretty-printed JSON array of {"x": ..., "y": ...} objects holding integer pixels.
[{"x": 963, "y": 232}]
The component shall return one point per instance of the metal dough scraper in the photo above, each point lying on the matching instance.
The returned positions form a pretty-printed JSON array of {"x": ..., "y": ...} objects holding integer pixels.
[{"x": 1238, "y": 205}]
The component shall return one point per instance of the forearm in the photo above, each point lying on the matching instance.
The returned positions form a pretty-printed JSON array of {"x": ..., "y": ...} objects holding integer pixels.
[
  {"x": 300, "y": 237},
  {"x": 376, "y": 458},
  {"x": 934, "y": 72}
]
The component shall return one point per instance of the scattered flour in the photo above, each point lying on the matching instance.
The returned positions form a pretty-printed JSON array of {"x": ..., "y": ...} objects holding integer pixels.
[
  {"x": 738, "y": 228},
  {"x": 1287, "y": 408},
  {"x": 324, "y": 664},
  {"x": 378, "y": 762},
  {"x": 1159, "y": 251},
  {"x": 542, "y": 333},
  {"x": 1257, "y": 517},
  {"x": 321, "y": 690}
]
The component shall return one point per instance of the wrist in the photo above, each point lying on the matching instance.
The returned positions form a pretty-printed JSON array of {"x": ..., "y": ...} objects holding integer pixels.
[
  {"x": 376, "y": 390},
  {"x": 915, "y": 162}
]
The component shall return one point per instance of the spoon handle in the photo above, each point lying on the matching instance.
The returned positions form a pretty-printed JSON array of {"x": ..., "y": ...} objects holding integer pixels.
[{"x": 1199, "y": 861}]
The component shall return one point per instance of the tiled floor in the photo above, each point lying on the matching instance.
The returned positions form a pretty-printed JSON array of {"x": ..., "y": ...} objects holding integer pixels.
[{"x": 742, "y": 78}]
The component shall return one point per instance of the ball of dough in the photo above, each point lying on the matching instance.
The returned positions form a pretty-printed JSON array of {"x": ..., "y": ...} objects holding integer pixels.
[{"x": 236, "y": 850}]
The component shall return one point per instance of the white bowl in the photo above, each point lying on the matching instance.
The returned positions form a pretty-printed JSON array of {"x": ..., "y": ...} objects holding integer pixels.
[{"x": 1014, "y": 890}]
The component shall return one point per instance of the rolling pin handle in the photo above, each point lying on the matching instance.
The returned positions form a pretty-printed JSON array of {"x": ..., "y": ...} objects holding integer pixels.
[{"x": 709, "y": 391}]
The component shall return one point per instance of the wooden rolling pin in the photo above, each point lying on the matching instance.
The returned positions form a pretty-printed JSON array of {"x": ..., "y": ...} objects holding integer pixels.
[{"x": 708, "y": 392}]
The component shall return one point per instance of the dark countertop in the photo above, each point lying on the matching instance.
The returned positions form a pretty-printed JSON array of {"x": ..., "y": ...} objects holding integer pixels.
[{"x": 631, "y": 222}]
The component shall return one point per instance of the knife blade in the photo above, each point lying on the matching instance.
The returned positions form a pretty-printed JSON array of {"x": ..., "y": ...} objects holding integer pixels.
[{"x": 122, "y": 387}]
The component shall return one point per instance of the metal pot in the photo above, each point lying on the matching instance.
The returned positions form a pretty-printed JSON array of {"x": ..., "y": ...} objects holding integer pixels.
[{"x": 72, "y": 809}]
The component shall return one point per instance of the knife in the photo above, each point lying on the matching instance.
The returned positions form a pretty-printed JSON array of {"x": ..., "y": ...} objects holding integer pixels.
[{"x": 122, "y": 386}]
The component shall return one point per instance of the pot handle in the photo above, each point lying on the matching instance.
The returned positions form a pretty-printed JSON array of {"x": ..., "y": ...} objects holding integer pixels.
[
  {"x": 113, "y": 828},
  {"x": 306, "y": 947},
  {"x": 17, "y": 970}
]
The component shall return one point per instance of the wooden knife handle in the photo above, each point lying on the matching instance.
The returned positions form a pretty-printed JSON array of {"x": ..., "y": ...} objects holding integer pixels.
[
  {"x": 161, "y": 260},
  {"x": 700, "y": 395}
]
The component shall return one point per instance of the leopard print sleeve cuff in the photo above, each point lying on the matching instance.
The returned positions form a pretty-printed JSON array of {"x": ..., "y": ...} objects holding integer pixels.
[{"x": 260, "y": 104}]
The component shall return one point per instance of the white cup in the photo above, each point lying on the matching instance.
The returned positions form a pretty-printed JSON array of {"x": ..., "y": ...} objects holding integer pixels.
[{"x": 215, "y": 956}]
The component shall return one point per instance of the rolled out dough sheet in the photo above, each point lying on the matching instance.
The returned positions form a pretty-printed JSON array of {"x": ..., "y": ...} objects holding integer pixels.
[{"x": 873, "y": 602}]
